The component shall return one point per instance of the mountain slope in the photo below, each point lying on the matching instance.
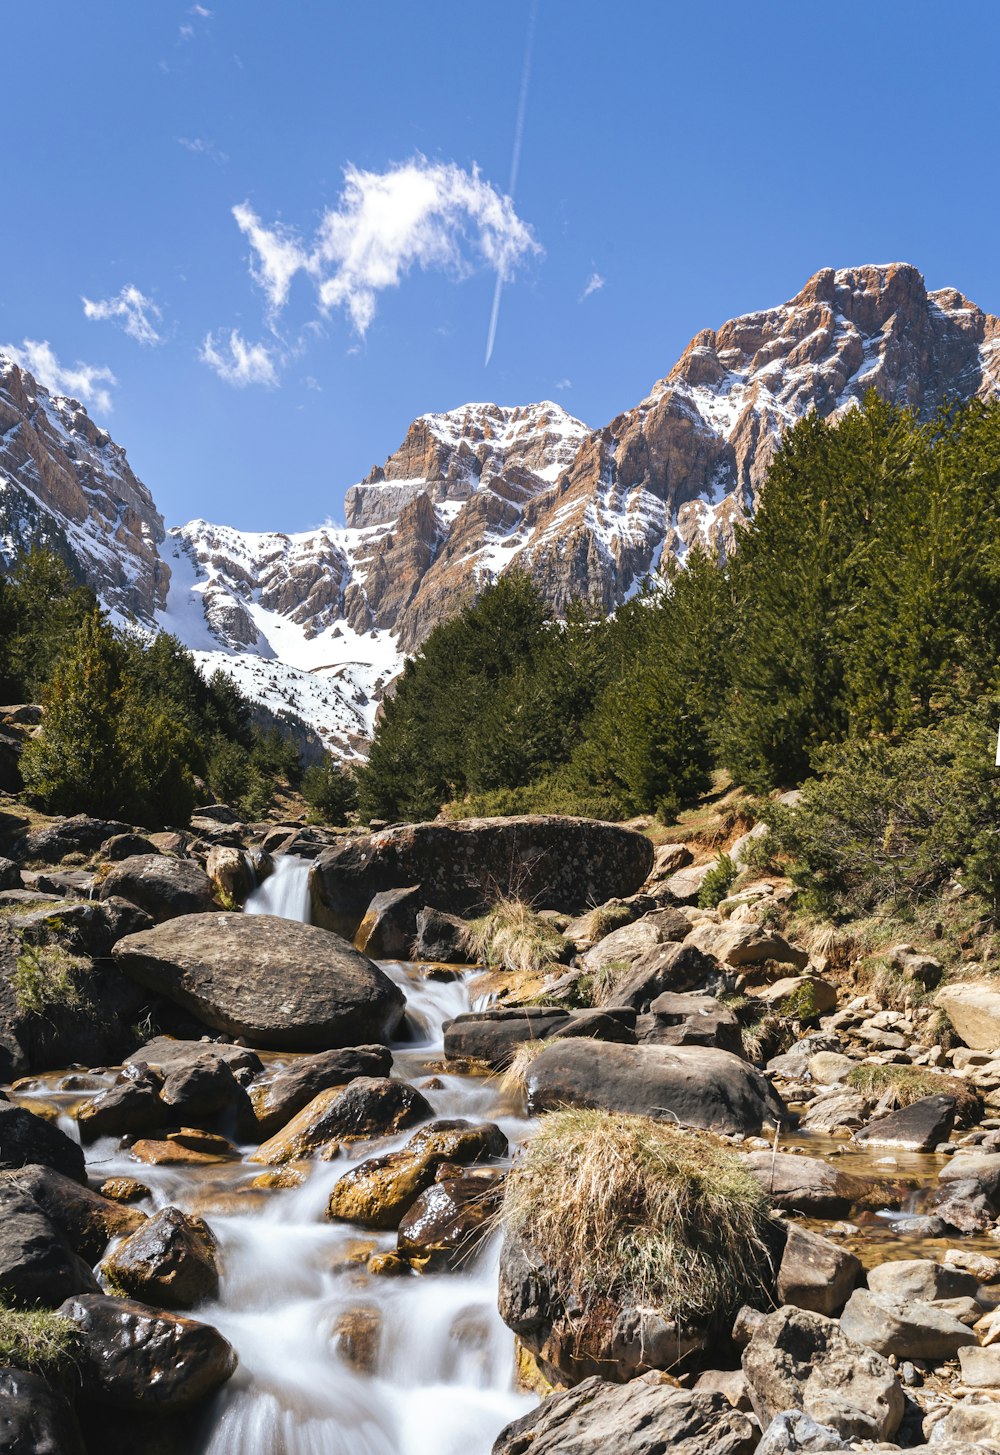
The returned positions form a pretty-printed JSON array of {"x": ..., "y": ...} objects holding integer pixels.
[{"x": 319, "y": 622}]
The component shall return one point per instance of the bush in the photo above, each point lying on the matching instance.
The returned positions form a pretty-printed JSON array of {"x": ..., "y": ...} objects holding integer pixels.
[
  {"x": 330, "y": 790},
  {"x": 629, "y": 1209},
  {"x": 512, "y": 937},
  {"x": 717, "y": 882}
]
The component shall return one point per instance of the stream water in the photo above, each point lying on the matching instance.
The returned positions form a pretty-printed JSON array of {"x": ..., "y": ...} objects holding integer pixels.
[{"x": 440, "y": 1377}]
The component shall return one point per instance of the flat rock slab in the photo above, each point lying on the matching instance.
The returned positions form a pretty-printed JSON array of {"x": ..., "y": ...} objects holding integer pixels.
[
  {"x": 915, "y": 1128},
  {"x": 552, "y": 861},
  {"x": 278, "y": 983},
  {"x": 698, "y": 1086}
]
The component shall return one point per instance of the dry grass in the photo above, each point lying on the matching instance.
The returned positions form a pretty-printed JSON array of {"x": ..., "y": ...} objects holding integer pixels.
[
  {"x": 630, "y": 1209},
  {"x": 513, "y": 1082},
  {"x": 36, "y": 1339},
  {"x": 907, "y": 1084},
  {"x": 606, "y": 918},
  {"x": 513, "y": 937}
]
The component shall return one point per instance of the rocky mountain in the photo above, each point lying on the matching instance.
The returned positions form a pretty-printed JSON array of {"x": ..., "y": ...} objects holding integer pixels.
[{"x": 319, "y": 622}]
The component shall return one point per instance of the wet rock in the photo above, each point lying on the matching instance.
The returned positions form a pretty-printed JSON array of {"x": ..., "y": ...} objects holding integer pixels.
[
  {"x": 797, "y": 1360},
  {"x": 126, "y": 846},
  {"x": 494, "y": 1035},
  {"x": 135, "y": 1357},
  {"x": 170, "y": 1261},
  {"x": 370, "y": 1106},
  {"x": 26, "y": 1138},
  {"x": 807, "y": 1185},
  {"x": 86, "y": 1219},
  {"x": 815, "y": 1273},
  {"x": 279, "y": 983},
  {"x": 124, "y": 1189},
  {"x": 128, "y": 1106},
  {"x": 189, "y": 1147},
  {"x": 597, "y": 1418},
  {"x": 918, "y": 1127},
  {"x": 204, "y": 1087},
  {"x": 553, "y": 862},
  {"x": 37, "y": 1265},
  {"x": 697, "y": 1086},
  {"x": 379, "y": 1191},
  {"x": 356, "y": 1336},
  {"x": 911, "y": 1329},
  {"x": 164, "y": 887},
  {"x": 440, "y": 937},
  {"x": 389, "y": 925},
  {"x": 166, "y": 1055},
  {"x": 922, "y": 1279},
  {"x": 691, "y": 1020},
  {"x": 973, "y": 1007},
  {"x": 448, "y": 1221},
  {"x": 746, "y": 944},
  {"x": 34, "y": 1418},
  {"x": 275, "y": 1102},
  {"x": 229, "y": 871}
]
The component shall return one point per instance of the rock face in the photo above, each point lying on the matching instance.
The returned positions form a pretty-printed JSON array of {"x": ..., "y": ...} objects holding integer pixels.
[
  {"x": 553, "y": 862},
  {"x": 279, "y": 983},
  {"x": 320, "y": 621}
]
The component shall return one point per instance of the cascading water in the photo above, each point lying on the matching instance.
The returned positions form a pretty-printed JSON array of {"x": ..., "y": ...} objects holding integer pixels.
[{"x": 438, "y": 1377}]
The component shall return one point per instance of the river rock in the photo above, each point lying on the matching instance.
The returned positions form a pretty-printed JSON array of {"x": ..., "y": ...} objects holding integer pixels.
[
  {"x": 829, "y": 1068},
  {"x": 695, "y": 1085},
  {"x": 815, "y": 1273},
  {"x": 918, "y": 1127},
  {"x": 275, "y": 1102},
  {"x": 135, "y": 1357},
  {"x": 800, "y": 1360},
  {"x": 279, "y": 983},
  {"x": 229, "y": 871},
  {"x": 840, "y": 1110},
  {"x": 164, "y": 887},
  {"x": 552, "y": 862},
  {"x": 371, "y": 1106},
  {"x": 170, "y": 1260},
  {"x": 980, "y": 1367},
  {"x": 26, "y": 1138},
  {"x": 34, "y": 1417},
  {"x": 86, "y": 1220},
  {"x": 36, "y": 1264},
  {"x": 746, "y": 944},
  {"x": 597, "y": 1418},
  {"x": 923, "y": 1279},
  {"x": 691, "y": 1020},
  {"x": 389, "y": 925},
  {"x": 167, "y": 1055},
  {"x": 911, "y": 1329},
  {"x": 131, "y": 1105},
  {"x": 440, "y": 938},
  {"x": 204, "y": 1087},
  {"x": 448, "y": 1221},
  {"x": 494, "y": 1035},
  {"x": 981, "y": 1168},
  {"x": 188, "y": 1146},
  {"x": 807, "y": 1185},
  {"x": 379, "y": 1191}
]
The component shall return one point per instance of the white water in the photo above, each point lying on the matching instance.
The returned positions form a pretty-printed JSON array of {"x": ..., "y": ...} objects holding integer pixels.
[
  {"x": 442, "y": 1379},
  {"x": 284, "y": 892}
]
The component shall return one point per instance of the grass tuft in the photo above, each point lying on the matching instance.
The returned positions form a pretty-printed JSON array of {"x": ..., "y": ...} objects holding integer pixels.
[
  {"x": 513, "y": 1081},
  {"x": 602, "y": 921},
  {"x": 513, "y": 937},
  {"x": 47, "y": 977},
  {"x": 630, "y": 1209},
  {"x": 907, "y": 1084},
  {"x": 36, "y": 1339}
]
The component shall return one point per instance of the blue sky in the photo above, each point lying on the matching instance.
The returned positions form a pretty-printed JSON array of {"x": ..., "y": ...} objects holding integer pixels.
[{"x": 679, "y": 164}]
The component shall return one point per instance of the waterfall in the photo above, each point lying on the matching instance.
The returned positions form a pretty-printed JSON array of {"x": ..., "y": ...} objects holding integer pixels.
[{"x": 285, "y": 892}]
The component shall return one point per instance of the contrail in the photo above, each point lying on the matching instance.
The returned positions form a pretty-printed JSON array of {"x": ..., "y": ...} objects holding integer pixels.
[{"x": 515, "y": 163}]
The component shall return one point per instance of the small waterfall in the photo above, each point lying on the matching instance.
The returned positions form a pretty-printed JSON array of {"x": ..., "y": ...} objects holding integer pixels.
[{"x": 285, "y": 892}]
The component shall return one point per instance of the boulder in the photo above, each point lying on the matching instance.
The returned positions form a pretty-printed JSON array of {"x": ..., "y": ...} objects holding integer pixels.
[
  {"x": 494, "y": 1035},
  {"x": 279, "y": 983},
  {"x": 204, "y": 1087},
  {"x": 37, "y": 1265},
  {"x": 597, "y": 1418},
  {"x": 10, "y": 874},
  {"x": 815, "y": 1273},
  {"x": 370, "y": 1106},
  {"x": 923, "y": 1279},
  {"x": 981, "y": 1168},
  {"x": 230, "y": 874},
  {"x": 78, "y": 835},
  {"x": 553, "y": 862},
  {"x": 918, "y": 1127},
  {"x": 803, "y": 996},
  {"x": 969, "y": 1428},
  {"x": 276, "y": 1101},
  {"x": 631, "y": 942},
  {"x": 167, "y": 1055},
  {"x": 126, "y": 846},
  {"x": 389, "y": 925},
  {"x": 829, "y": 1068},
  {"x": 617, "y": 1023},
  {"x": 807, "y": 1185},
  {"x": 131, "y": 1105},
  {"x": 169, "y": 1261},
  {"x": 685, "y": 885},
  {"x": 164, "y": 887},
  {"x": 923, "y": 970},
  {"x": 973, "y": 1007},
  {"x": 669, "y": 967},
  {"x": 86, "y": 1220},
  {"x": 910, "y": 1330},
  {"x": 793, "y": 1431},
  {"x": 793, "y": 1064},
  {"x": 448, "y": 1221},
  {"x": 691, "y": 1020},
  {"x": 980, "y": 1367},
  {"x": 378, "y": 1192},
  {"x": 841, "y": 1111},
  {"x": 188, "y": 1146},
  {"x": 695, "y": 1085},
  {"x": 667, "y": 859},
  {"x": 798, "y": 1360},
  {"x": 440, "y": 938},
  {"x": 26, "y": 1138},
  {"x": 746, "y": 944},
  {"x": 134, "y": 1358},
  {"x": 87, "y": 928},
  {"x": 34, "y": 1418}
]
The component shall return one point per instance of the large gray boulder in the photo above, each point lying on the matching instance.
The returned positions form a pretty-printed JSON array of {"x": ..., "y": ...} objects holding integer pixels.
[
  {"x": 553, "y": 862},
  {"x": 278, "y": 983},
  {"x": 698, "y": 1086},
  {"x": 164, "y": 887},
  {"x": 801, "y": 1360},
  {"x": 909, "y": 1329},
  {"x": 597, "y": 1418}
]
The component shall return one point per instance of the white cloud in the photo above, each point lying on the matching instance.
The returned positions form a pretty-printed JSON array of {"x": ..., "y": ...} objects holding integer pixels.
[
  {"x": 187, "y": 32},
  {"x": 200, "y": 11},
  {"x": 239, "y": 362},
  {"x": 202, "y": 147},
  {"x": 564, "y": 384},
  {"x": 594, "y": 285},
  {"x": 428, "y": 214},
  {"x": 86, "y": 382},
  {"x": 137, "y": 314}
]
